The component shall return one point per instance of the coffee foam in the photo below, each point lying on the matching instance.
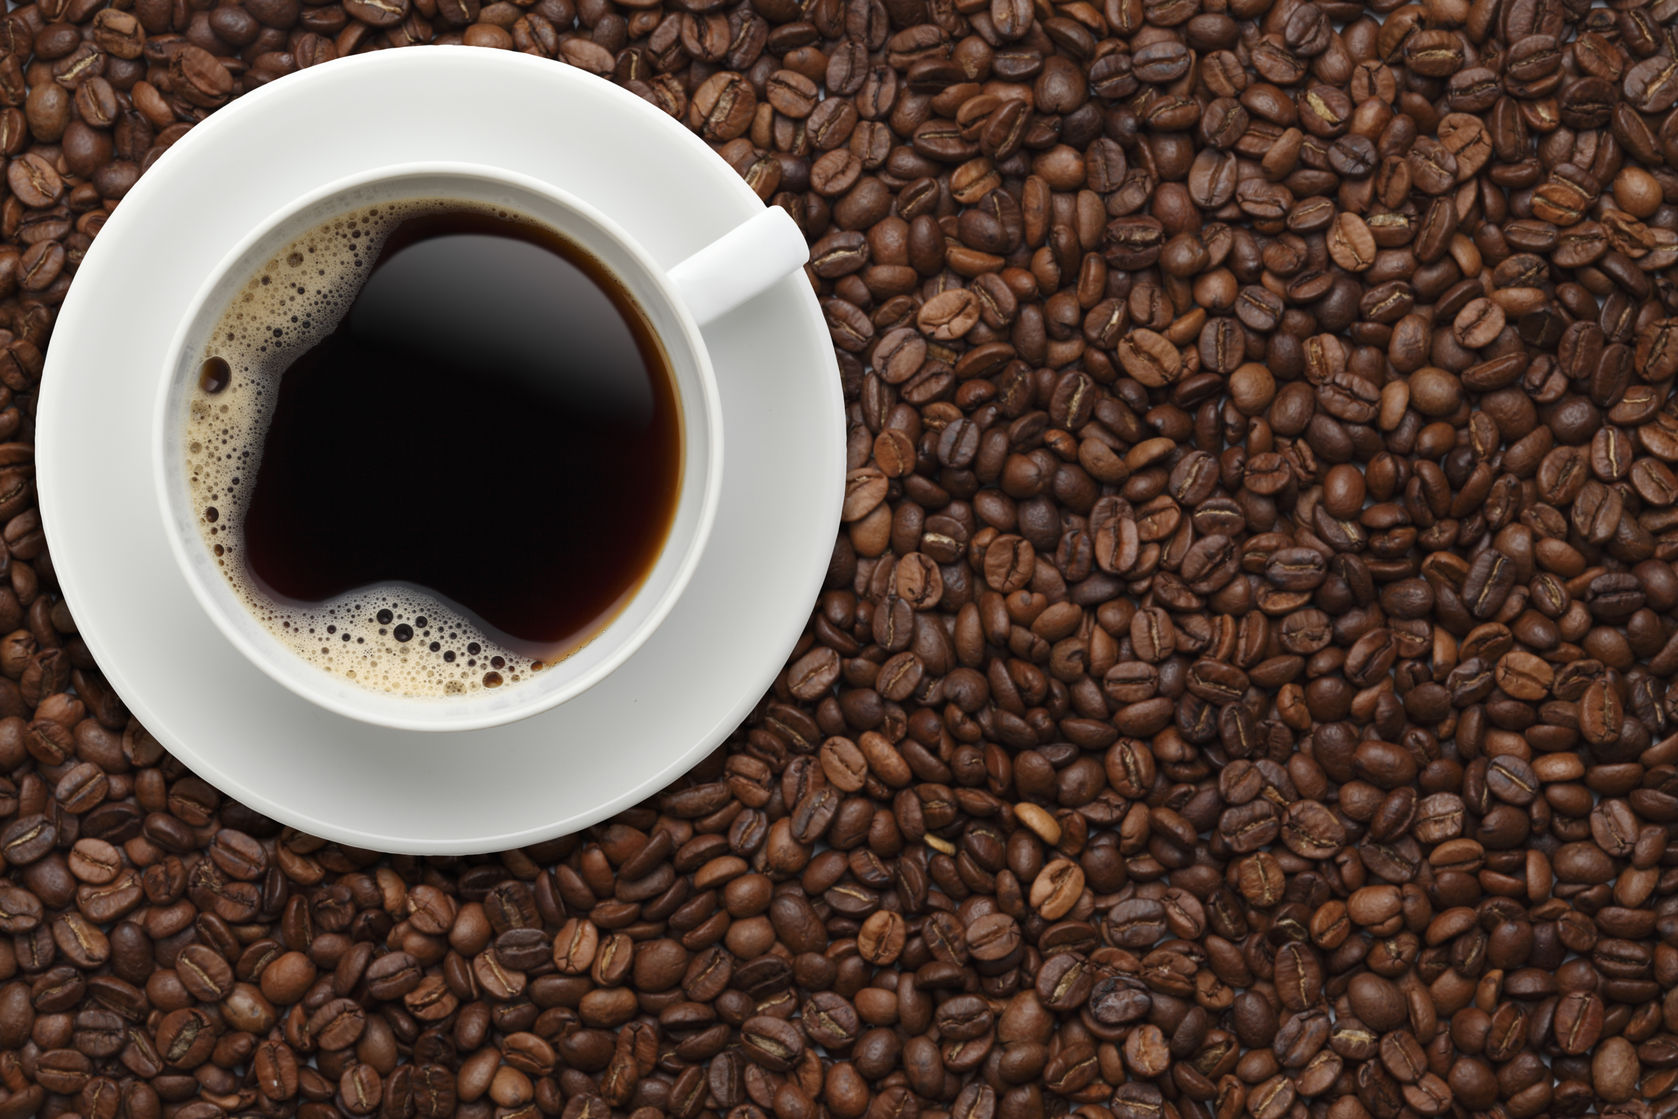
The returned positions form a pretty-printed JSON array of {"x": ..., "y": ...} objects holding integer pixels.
[{"x": 392, "y": 638}]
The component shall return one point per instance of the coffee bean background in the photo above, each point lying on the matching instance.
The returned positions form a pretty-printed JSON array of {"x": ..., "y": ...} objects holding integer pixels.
[{"x": 1245, "y": 681}]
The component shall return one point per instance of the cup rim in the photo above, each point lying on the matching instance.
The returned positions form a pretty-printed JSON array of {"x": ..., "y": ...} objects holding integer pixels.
[{"x": 424, "y": 713}]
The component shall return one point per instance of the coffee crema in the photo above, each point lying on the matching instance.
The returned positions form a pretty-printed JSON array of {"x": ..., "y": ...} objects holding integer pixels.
[{"x": 434, "y": 447}]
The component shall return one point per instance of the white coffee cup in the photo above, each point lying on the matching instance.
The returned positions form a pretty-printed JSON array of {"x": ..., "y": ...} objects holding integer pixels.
[{"x": 677, "y": 302}]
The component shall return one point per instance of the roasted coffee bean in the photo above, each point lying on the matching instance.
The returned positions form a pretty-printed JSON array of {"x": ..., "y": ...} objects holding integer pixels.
[
  {"x": 771, "y": 1043},
  {"x": 205, "y": 974}
]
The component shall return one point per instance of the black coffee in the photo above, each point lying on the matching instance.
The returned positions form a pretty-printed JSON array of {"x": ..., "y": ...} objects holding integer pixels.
[{"x": 483, "y": 453}]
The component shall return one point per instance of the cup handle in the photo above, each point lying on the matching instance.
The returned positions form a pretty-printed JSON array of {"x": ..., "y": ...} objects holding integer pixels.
[{"x": 740, "y": 264}]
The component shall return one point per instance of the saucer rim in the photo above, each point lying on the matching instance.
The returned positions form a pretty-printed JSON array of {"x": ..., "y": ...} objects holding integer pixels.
[{"x": 74, "y": 573}]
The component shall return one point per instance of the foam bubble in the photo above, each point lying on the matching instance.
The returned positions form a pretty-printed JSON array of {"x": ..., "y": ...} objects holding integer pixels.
[{"x": 393, "y": 638}]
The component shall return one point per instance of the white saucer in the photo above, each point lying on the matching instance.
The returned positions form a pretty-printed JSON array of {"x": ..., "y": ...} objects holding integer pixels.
[{"x": 687, "y": 688}]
